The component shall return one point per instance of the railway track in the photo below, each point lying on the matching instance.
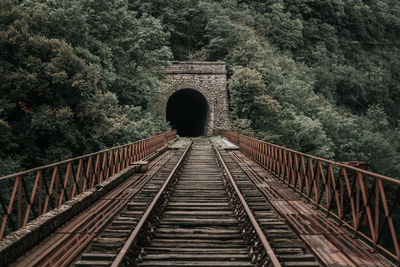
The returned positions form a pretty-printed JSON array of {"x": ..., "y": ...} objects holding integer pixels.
[
  {"x": 62, "y": 247},
  {"x": 199, "y": 227},
  {"x": 198, "y": 208},
  {"x": 288, "y": 247},
  {"x": 199, "y": 218}
]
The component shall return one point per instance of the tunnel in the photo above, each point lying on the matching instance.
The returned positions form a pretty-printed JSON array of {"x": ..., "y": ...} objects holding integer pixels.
[{"x": 187, "y": 112}]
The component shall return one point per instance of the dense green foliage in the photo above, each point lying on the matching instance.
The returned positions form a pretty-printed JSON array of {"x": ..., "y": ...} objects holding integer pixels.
[
  {"x": 322, "y": 77},
  {"x": 75, "y": 77}
]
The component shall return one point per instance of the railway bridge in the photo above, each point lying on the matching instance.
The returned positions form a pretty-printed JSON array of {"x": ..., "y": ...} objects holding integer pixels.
[
  {"x": 223, "y": 199},
  {"x": 227, "y": 200}
]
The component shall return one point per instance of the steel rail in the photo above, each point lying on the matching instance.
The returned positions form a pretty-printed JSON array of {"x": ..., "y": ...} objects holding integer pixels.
[
  {"x": 272, "y": 256},
  {"x": 258, "y": 179},
  {"x": 82, "y": 231},
  {"x": 355, "y": 199},
  {"x": 41, "y": 189},
  {"x": 140, "y": 183},
  {"x": 134, "y": 235}
]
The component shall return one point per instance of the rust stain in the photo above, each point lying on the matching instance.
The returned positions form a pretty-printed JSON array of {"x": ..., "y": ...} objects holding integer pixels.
[{"x": 329, "y": 241}]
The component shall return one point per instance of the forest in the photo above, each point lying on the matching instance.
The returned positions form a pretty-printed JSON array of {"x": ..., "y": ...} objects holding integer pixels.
[{"x": 318, "y": 76}]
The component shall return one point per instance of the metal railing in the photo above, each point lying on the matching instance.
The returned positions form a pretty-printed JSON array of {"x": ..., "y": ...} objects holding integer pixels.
[
  {"x": 170, "y": 136},
  {"x": 365, "y": 202},
  {"x": 26, "y": 195}
]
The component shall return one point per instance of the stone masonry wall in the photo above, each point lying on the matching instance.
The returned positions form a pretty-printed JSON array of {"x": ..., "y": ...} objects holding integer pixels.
[{"x": 208, "y": 78}]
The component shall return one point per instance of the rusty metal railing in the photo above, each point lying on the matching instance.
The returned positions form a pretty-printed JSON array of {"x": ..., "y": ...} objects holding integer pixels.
[
  {"x": 26, "y": 195},
  {"x": 365, "y": 202},
  {"x": 170, "y": 136}
]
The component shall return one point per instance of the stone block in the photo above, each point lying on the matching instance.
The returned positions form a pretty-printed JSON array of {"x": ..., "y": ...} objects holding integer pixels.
[{"x": 208, "y": 78}]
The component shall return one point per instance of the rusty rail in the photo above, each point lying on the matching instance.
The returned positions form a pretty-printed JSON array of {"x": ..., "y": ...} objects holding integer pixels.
[
  {"x": 365, "y": 202},
  {"x": 246, "y": 215},
  {"x": 153, "y": 212},
  {"x": 39, "y": 190}
]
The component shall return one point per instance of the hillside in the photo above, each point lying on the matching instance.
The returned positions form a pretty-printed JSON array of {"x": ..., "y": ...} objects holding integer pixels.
[{"x": 322, "y": 77}]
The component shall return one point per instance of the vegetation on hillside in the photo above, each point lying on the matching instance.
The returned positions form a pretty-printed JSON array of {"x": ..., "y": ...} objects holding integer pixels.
[
  {"x": 75, "y": 77},
  {"x": 322, "y": 77}
]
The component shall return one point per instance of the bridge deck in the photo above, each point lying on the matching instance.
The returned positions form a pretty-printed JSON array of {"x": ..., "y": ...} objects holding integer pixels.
[{"x": 332, "y": 243}]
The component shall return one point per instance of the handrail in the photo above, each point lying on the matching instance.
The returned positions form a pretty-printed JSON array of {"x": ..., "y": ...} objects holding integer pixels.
[
  {"x": 41, "y": 189},
  {"x": 367, "y": 203},
  {"x": 167, "y": 137}
]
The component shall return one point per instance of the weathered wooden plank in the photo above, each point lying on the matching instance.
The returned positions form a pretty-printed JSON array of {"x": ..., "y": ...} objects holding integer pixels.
[{"x": 195, "y": 263}]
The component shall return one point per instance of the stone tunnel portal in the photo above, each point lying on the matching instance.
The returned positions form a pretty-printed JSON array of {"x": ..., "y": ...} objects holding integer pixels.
[{"x": 187, "y": 111}]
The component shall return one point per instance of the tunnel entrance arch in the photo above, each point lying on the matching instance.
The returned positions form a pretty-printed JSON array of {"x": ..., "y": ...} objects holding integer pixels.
[
  {"x": 209, "y": 80},
  {"x": 188, "y": 112}
]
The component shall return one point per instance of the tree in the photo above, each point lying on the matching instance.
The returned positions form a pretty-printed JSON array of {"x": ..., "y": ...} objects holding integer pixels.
[
  {"x": 185, "y": 20},
  {"x": 42, "y": 81},
  {"x": 244, "y": 86}
]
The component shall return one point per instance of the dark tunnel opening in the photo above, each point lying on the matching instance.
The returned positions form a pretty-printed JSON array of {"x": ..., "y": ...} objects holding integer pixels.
[{"x": 187, "y": 112}]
